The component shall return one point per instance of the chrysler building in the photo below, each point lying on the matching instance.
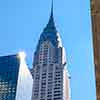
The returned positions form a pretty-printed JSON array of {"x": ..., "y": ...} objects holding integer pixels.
[{"x": 51, "y": 80}]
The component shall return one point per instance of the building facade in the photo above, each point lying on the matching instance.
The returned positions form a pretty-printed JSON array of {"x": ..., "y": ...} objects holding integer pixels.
[
  {"x": 15, "y": 78},
  {"x": 50, "y": 75},
  {"x": 95, "y": 13}
]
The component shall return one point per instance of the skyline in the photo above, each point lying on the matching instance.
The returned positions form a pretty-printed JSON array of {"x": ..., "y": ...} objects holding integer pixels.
[{"x": 17, "y": 21}]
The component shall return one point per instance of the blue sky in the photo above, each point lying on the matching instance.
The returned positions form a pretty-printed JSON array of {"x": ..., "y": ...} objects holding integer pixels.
[{"x": 22, "y": 21}]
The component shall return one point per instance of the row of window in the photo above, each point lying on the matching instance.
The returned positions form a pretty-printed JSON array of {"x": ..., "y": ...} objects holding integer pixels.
[{"x": 57, "y": 98}]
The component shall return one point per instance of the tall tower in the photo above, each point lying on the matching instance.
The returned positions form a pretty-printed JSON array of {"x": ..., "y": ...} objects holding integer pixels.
[
  {"x": 95, "y": 12},
  {"x": 50, "y": 75}
]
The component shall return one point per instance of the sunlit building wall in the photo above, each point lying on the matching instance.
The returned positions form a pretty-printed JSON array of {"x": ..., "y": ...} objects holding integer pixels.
[{"x": 15, "y": 79}]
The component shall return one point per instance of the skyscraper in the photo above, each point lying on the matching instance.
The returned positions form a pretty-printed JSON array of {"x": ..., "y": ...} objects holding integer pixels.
[
  {"x": 50, "y": 75},
  {"x": 15, "y": 78}
]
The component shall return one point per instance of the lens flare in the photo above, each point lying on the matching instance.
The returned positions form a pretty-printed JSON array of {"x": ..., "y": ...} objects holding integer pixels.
[{"x": 22, "y": 55}]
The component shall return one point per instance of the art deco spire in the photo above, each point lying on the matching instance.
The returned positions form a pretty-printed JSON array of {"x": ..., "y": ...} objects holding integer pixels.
[
  {"x": 50, "y": 27},
  {"x": 50, "y": 33}
]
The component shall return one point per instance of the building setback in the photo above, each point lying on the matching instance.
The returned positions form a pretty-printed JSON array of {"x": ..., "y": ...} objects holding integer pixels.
[
  {"x": 15, "y": 78},
  {"x": 50, "y": 75}
]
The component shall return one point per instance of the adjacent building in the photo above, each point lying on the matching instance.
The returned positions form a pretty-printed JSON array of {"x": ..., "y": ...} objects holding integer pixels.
[
  {"x": 95, "y": 13},
  {"x": 15, "y": 78},
  {"x": 50, "y": 74}
]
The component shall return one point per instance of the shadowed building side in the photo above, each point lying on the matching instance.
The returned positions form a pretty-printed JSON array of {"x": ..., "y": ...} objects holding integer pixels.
[{"x": 95, "y": 12}]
